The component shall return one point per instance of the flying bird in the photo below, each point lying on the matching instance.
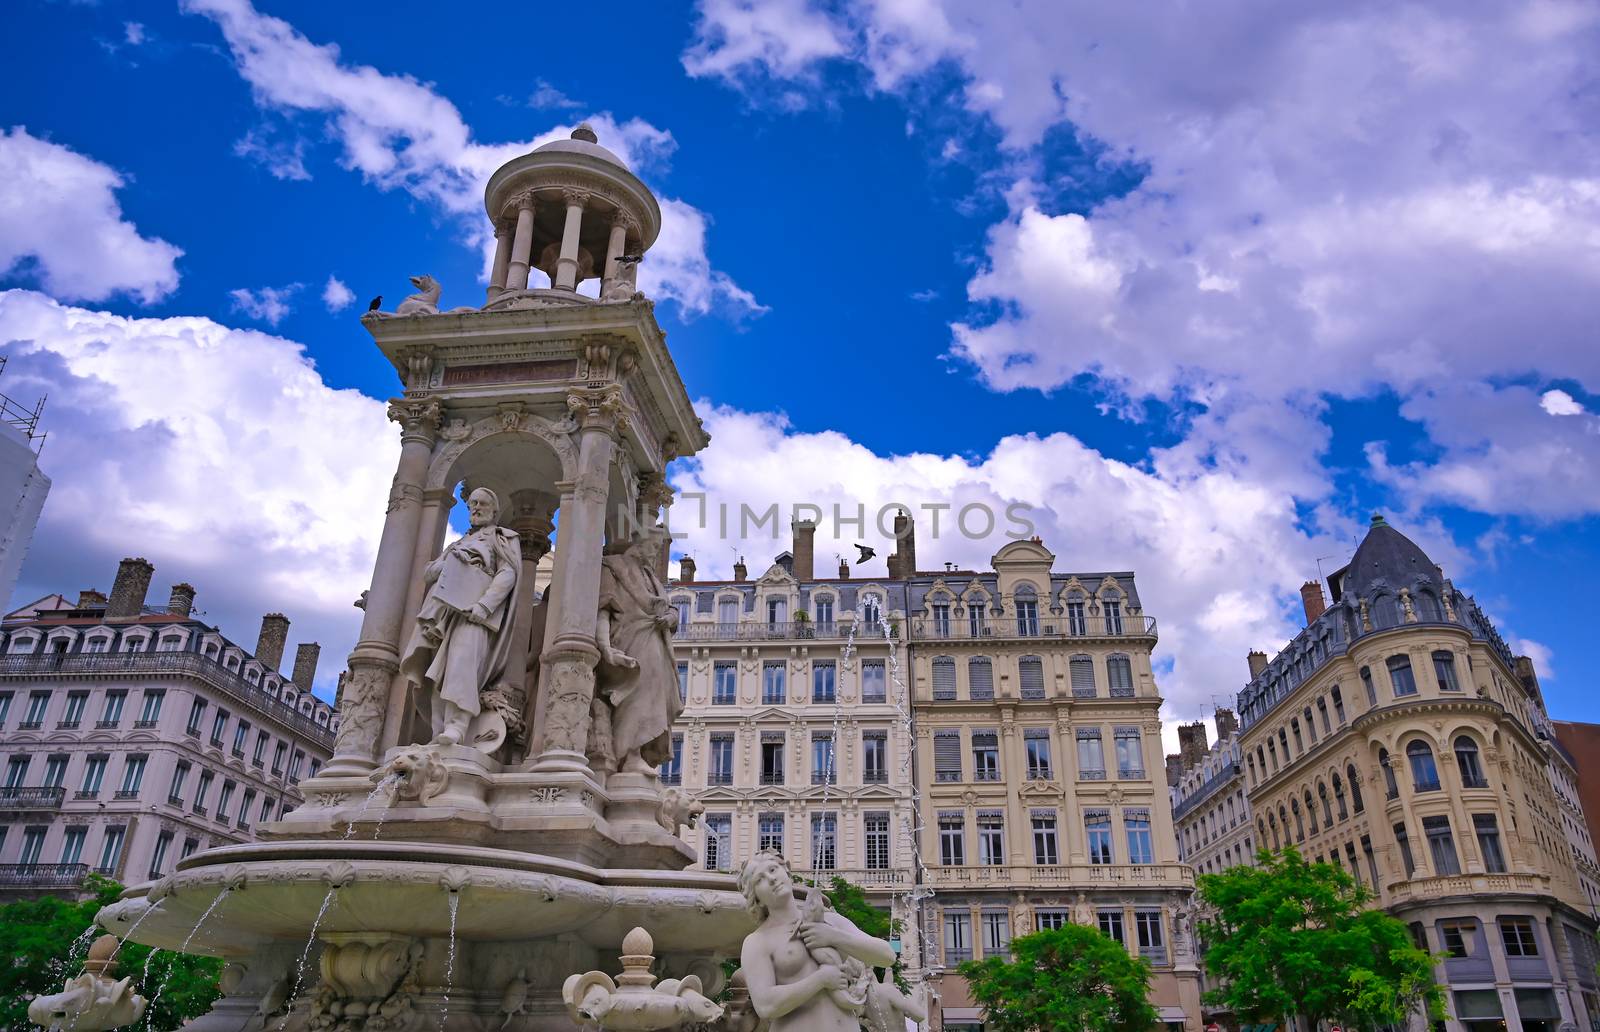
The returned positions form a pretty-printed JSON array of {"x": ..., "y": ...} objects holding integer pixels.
[
  {"x": 373, "y": 306},
  {"x": 866, "y": 554},
  {"x": 629, "y": 259}
]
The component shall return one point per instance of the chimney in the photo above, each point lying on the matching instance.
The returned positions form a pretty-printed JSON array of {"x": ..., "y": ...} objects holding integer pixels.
[
  {"x": 739, "y": 570},
  {"x": 1258, "y": 663},
  {"x": 182, "y": 601},
  {"x": 844, "y": 570},
  {"x": 804, "y": 550},
  {"x": 306, "y": 655},
  {"x": 686, "y": 570},
  {"x": 89, "y": 598},
  {"x": 903, "y": 563},
  {"x": 274, "y": 636},
  {"x": 1227, "y": 724},
  {"x": 1174, "y": 769},
  {"x": 1192, "y": 744},
  {"x": 1311, "y": 597},
  {"x": 129, "y": 589}
]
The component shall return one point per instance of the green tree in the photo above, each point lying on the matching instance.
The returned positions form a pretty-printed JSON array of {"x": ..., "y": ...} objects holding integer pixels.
[
  {"x": 39, "y": 934},
  {"x": 1287, "y": 937},
  {"x": 850, "y": 902},
  {"x": 1072, "y": 977}
]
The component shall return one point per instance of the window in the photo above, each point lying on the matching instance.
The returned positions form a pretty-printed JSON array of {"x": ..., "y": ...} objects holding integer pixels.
[
  {"x": 259, "y": 756},
  {"x": 169, "y": 643},
  {"x": 824, "y": 608},
  {"x": 975, "y": 626},
  {"x": 1147, "y": 930},
  {"x": 55, "y": 771},
  {"x": 190, "y": 847},
  {"x": 1444, "y": 669},
  {"x": 944, "y": 679},
  {"x": 150, "y": 711},
  {"x": 1119, "y": 675},
  {"x": 1111, "y": 924},
  {"x": 1311, "y": 726},
  {"x": 180, "y": 774},
  {"x": 1424, "y": 772},
  {"x": 1458, "y": 937},
  {"x": 873, "y": 682},
  {"x": 219, "y": 724},
  {"x": 202, "y": 790},
  {"x": 1403, "y": 840},
  {"x": 94, "y": 772},
  {"x": 980, "y": 680},
  {"x": 278, "y": 752},
  {"x": 111, "y": 849},
  {"x": 941, "y": 619},
  {"x": 952, "y": 838},
  {"x": 158, "y": 859},
  {"x": 724, "y": 681},
  {"x": 111, "y": 715},
  {"x": 727, "y": 615},
  {"x": 721, "y": 769},
  {"x": 1091, "y": 756},
  {"x": 1098, "y": 825},
  {"x": 1400, "y": 676},
  {"x": 996, "y": 933},
  {"x": 824, "y": 676},
  {"x": 1113, "y": 609},
  {"x": 1299, "y": 742},
  {"x": 17, "y": 770},
  {"x": 985, "y": 756},
  {"x": 197, "y": 711},
  {"x": 1082, "y": 670},
  {"x": 1130, "y": 754},
  {"x": 1441, "y": 845},
  {"x": 1391, "y": 788},
  {"x": 1028, "y": 617},
  {"x": 1050, "y": 920},
  {"x": 72, "y": 845},
  {"x": 32, "y": 846},
  {"x": 823, "y": 771},
  {"x": 295, "y": 761},
  {"x": 1338, "y": 704},
  {"x": 1516, "y": 933},
  {"x": 991, "y": 838},
  {"x": 777, "y": 612},
  {"x": 947, "y": 755},
  {"x": 874, "y": 757},
  {"x": 1487, "y": 829},
  {"x": 1076, "y": 622},
  {"x": 683, "y": 682},
  {"x": 72, "y": 716},
  {"x": 772, "y": 743},
  {"x": 719, "y": 841},
  {"x": 957, "y": 936},
  {"x": 1036, "y": 745},
  {"x": 772, "y": 683},
  {"x": 1137, "y": 823},
  {"x": 872, "y": 612},
  {"x": 672, "y": 770},
  {"x": 769, "y": 832},
  {"x": 266, "y": 809},
  {"x": 1467, "y": 763},
  {"x": 1355, "y": 788},
  {"x": 825, "y": 841},
  {"x": 876, "y": 828},
  {"x": 224, "y": 799},
  {"x": 240, "y": 733},
  {"x": 1030, "y": 670}
]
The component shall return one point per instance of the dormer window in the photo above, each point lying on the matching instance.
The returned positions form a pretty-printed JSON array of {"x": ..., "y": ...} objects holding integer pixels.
[
  {"x": 777, "y": 611},
  {"x": 99, "y": 643},
  {"x": 170, "y": 643},
  {"x": 871, "y": 611}
]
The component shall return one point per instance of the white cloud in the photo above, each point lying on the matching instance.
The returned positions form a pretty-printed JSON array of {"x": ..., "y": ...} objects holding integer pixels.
[
  {"x": 267, "y": 304},
  {"x": 336, "y": 295},
  {"x": 783, "y": 38},
  {"x": 262, "y": 487},
  {"x": 60, "y": 224},
  {"x": 399, "y": 133},
  {"x": 1560, "y": 403},
  {"x": 546, "y": 96},
  {"x": 133, "y": 33},
  {"x": 284, "y": 159}
]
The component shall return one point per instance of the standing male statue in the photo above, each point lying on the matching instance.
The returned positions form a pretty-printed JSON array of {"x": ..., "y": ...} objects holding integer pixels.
[
  {"x": 637, "y": 678},
  {"x": 463, "y": 632}
]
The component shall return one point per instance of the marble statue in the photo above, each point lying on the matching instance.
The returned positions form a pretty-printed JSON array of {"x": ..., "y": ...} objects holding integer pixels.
[
  {"x": 464, "y": 627},
  {"x": 425, "y": 301},
  {"x": 624, "y": 284},
  {"x": 93, "y": 1001},
  {"x": 635, "y": 1002},
  {"x": 888, "y": 1008},
  {"x": 636, "y": 681},
  {"x": 795, "y": 962}
]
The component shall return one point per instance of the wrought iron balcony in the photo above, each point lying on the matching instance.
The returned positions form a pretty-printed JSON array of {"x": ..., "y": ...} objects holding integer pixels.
[
  {"x": 1122, "y": 628},
  {"x": 32, "y": 797},
  {"x": 782, "y": 630},
  {"x": 1062, "y": 875},
  {"x": 42, "y": 876}
]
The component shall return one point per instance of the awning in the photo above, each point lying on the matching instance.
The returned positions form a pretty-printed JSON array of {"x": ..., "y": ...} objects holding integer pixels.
[
  {"x": 962, "y": 1014},
  {"x": 1172, "y": 1013}
]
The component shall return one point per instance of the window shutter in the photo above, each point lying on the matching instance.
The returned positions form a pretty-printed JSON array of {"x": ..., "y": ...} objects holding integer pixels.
[
  {"x": 1032, "y": 677},
  {"x": 944, "y": 679},
  {"x": 980, "y": 678},
  {"x": 1082, "y": 676},
  {"x": 985, "y": 740},
  {"x": 947, "y": 755}
]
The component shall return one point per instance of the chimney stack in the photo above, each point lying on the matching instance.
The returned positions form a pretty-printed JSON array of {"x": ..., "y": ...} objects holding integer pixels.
[
  {"x": 1192, "y": 744},
  {"x": 686, "y": 570},
  {"x": 804, "y": 550},
  {"x": 1174, "y": 769},
  {"x": 844, "y": 570},
  {"x": 1258, "y": 663},
  {"x": 306, "y": 655},
  {"x": 274, "y": 636},
  {"x": 1227, "y": 724},
  {"x": 89, "y": 598},
  {"x": 1311, "y": 597},
  {"x": 739, "y": 570},
  {"x": 903, "y": 563},
  {"x": 129, "y": 589},
  {"x": 182, "y": 601}
]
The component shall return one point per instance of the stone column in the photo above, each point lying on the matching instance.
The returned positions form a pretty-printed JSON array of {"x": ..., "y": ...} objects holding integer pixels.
[
  {"x": 567, "y": 264},
  {"x": 503, "y": 229},
  {"x": 376, "y": 657},
  {"x": 522, "y": 244},
  {"x": 620, "y": 225},
  {"x": 567, "y": 664}
]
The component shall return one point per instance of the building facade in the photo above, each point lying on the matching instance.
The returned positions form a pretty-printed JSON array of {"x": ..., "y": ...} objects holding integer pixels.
[
  {"x": 1039, "y": 773},
  {"x": 1582, "y": 744},
  {"x": 1210, "y": 808},
  {"x": 1394, "y": 738},
  {"x": 131, "y": 736}
]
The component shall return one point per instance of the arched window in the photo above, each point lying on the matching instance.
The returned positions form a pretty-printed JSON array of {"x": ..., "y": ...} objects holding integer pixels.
[
  {"x": 1283, "y": 821},
  {"x": 944, "y": 679},
  {"x": 1311, "y": 727},
  {"x": 1384, "y": 611},
  {"x": 1272, "y": 751},
  {"x": 1424, "y": 772},
  {"x": 1311, "y": 813},
  {"x": 1299, "y": 824},
  {"x": 1283, "y": 741},
  {"x": 1400, "y": 676},
  {"x": 1338, "y": 704},
  {"x": 1273, "y": 820},
  {"x": 1119, "y": 674},
  {"x": 1327, "y": 810},
  {"x": 1338, "y": 796},
  {"x": 1426, "y": 604},
  {"x": 1355, "y": 788},
  {"x": 1390, "y": 788},
  {"x": 872, "y": 611},
  {"x": 1299, "y": 743},
  {"x": 1250, "y": 762},
  {"x": 1467, "y": 762},
  {"x": 1261, "y": 758},
  {"x": 1027, "y": 603}
]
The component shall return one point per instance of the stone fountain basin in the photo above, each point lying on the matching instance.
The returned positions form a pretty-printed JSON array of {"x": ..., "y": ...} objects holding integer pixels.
[{"x": 275, "y": 890}]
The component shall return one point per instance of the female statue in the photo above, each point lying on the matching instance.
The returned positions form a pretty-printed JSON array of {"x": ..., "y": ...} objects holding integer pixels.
[{"x": 637, "y": 677}]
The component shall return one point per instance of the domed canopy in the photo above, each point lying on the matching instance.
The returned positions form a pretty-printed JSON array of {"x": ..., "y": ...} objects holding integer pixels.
[
  {"x": 1387, "y": 559},
  {"x": 583, "y": 141}
]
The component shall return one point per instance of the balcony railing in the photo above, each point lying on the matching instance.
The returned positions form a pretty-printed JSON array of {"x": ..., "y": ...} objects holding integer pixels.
[
  {"x": 32, "y": 797},
  {"x": 783, "y": 630},
  {"x": 42, "y": 876},
  {"x": 1461, "y": 885},
  {"x": 1046, "y": 626},
  {"x": 1226, "y": 773},
  {"x": 1062, "y": 875},
  {"x": 866, "y": 879},
  {"x": 166, "y": 663},
  {"x": 769, "y": 778}
]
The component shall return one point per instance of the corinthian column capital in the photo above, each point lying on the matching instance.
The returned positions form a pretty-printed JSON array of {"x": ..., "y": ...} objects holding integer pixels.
[
  {"x": 599, "y": 408},
  {"x": 418, "y": 418}
]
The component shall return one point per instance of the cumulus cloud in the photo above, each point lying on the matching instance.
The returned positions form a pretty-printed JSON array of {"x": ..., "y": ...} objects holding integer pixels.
[
  {"x": 1560, "y": 403},
  {"x": 336, "y": 295},
  {"x": 304, "y": 469},
  {"x": 399, "y": 133},
  {"x": 267, "y": 304},
  {"x": 283, "y": 159},
  {"x": 61, "y": 226},
  {"x": 784, "y": 38}
]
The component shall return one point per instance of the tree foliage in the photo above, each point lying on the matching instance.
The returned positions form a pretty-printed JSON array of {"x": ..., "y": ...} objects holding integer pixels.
[
  {"x": 1073, "y": 977},
  {"x": 1288, "y": 937},
  {"x": 39, "y": 936}
]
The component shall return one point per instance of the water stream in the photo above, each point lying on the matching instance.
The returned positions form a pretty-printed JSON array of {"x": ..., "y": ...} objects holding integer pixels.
[
  {"x": 450, "y": 961},
  {"x": 150, "y": 1008}
]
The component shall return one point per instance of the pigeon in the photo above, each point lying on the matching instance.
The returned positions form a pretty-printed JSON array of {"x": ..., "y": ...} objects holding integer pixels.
[
  {"x": 629, "y": 259},
  {"x": 866, "y": 554},
  {"x": 373, "y": 305},
  {"x": 512, "y": 1003}
]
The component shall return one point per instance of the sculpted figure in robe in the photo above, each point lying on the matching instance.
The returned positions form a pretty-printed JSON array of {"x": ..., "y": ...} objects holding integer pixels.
[
  {"x": 463, "y": 633},
  {"x": 636, "y": 681}
]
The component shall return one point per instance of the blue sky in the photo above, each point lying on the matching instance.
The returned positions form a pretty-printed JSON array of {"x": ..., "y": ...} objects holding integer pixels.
[{"x": 1202, "y": 293}]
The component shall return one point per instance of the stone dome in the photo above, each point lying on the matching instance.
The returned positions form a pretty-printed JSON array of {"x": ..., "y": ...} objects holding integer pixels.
[
  {"x": 582, "y": 141},
  {"x": 1387, "y": 558}
]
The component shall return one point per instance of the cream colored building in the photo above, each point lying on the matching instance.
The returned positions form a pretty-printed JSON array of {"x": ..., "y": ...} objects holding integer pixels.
[
  {"x": 1210, "y": 809},
  {"x": 1039, "y": 765},
  {"x": 1394, "y": 737}
]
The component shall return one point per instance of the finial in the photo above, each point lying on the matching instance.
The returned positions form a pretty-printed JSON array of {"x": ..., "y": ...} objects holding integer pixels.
[
  {"x": 1378, "y": 520},
  {"x": 585, "y": 132}
]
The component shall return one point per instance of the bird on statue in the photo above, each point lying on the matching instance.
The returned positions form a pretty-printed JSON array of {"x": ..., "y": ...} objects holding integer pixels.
[
  {"x": 373, "y": 305},
  {"x": 629, "y": 259},
  {"x": 866, "y": 554}
]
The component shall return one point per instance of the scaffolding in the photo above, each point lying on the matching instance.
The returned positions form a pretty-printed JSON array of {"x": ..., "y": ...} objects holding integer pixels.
[{"x": 20, "y": 417}]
